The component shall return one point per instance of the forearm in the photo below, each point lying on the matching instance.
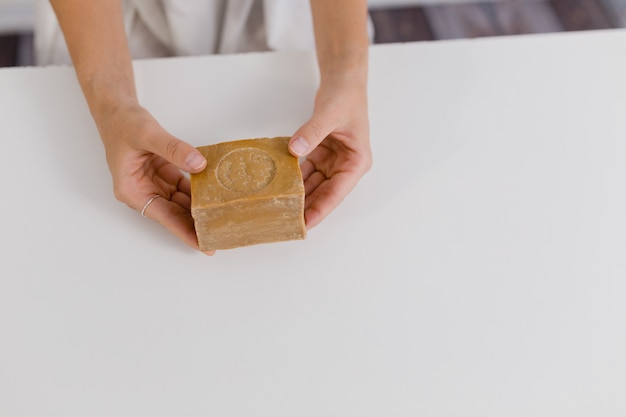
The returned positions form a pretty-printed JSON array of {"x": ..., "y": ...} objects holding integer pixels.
[
  {"x": 341, "y": 38},
  {"x": 144, "y": 159},
  {"x": 95, "y": 35}
]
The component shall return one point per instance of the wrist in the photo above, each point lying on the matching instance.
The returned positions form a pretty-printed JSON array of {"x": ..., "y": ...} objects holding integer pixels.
[
  {"x": 120, "y": 117},
  {"x": 348, "y": 66},
  {"x": 344, "y": 82},
  {"x": 345, "y": 78},
  {"x": 106, "y": 97}
]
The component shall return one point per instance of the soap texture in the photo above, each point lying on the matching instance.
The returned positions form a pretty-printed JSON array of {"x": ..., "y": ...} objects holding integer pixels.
[{"x": 251, "y": 192}]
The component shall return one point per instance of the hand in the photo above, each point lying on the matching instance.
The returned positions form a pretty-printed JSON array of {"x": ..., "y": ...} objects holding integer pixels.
[
  {"x": 336, "y": 144},
  {"x": 145, "y": 161}
]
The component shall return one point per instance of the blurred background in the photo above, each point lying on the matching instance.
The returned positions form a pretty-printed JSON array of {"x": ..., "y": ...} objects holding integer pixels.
[{"x": 397, "y": 21}]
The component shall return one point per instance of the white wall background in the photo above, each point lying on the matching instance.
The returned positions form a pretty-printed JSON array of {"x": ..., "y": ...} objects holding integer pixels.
[{"x": 16, "y": 15}]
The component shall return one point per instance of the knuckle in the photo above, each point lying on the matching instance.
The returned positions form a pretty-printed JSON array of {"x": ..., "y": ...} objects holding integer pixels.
[
  {"x": 364, "y": 163},
  {"x": 122, "y": 194},
  {"x": 317, "y": 129},
  {"x": 368, "y": 163},
  {"x": 172, "y": 149}
]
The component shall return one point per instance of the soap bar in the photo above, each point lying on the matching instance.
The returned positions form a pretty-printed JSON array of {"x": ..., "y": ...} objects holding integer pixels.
[{"x": 251, "y": 192}]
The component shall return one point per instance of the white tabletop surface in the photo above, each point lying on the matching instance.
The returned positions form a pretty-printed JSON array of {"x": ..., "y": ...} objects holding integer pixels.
[{"x": 479, "y": 269}]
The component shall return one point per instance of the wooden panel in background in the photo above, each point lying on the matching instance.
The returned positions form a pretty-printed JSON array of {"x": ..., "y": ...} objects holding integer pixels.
[
  {"x": 8, "y": 50},
  {"x": 401, "y": 25},
  {"x": 25, "y": 50},
  {"x": 492, "y": 19},
  {"x": 516, "y": 18},
  {"x": 616, "y": 9},
  {"x": 582, "y": 14},
  {"x": 457, "y": 21}
]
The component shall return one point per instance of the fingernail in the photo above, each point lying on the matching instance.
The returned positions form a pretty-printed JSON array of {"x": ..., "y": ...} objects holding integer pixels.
[
  {"x": 195, "y": 161},
  {"x": 299, "y": 146}
]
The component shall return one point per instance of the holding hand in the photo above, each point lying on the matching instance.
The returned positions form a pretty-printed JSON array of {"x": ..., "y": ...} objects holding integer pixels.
[
  {"x": 146, "y": 161},
  {"x": 335, "y": 140},
  {"x": 336, "y": 144}
]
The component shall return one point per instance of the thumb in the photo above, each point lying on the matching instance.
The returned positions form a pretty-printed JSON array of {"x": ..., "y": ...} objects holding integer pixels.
[
  {"x": 311, "y": 134},
  {"x": 179, "y": 153}
]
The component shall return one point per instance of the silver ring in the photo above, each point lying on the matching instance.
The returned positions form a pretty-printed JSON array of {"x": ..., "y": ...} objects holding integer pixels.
[{"x": 143, "y": 210}]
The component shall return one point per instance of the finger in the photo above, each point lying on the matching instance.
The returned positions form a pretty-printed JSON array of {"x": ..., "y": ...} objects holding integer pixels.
[
  {"x": 182, "y": 200},
  {"x": 174, "y": 218},
  {"x": 311, "y": 134},
  {"x": 327, "y": 196},
  {"x": 184, "y": 185},
  {"x": 313, "y": 181},
  {"x": 167, "y": 178},
  {"x": 180, "y": 153},
  {"x": 307, "y": 168}
]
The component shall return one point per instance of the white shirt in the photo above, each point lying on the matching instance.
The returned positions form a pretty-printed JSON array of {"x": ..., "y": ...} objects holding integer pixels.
[{"x": 158, "y": 28}]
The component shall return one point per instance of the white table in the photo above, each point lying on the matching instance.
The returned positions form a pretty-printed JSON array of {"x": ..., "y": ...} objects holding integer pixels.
[{"x": 478, "y": 270}]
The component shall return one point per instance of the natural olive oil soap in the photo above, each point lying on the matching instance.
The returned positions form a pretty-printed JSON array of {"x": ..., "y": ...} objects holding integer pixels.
[{"x": 251, "y": 192}]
